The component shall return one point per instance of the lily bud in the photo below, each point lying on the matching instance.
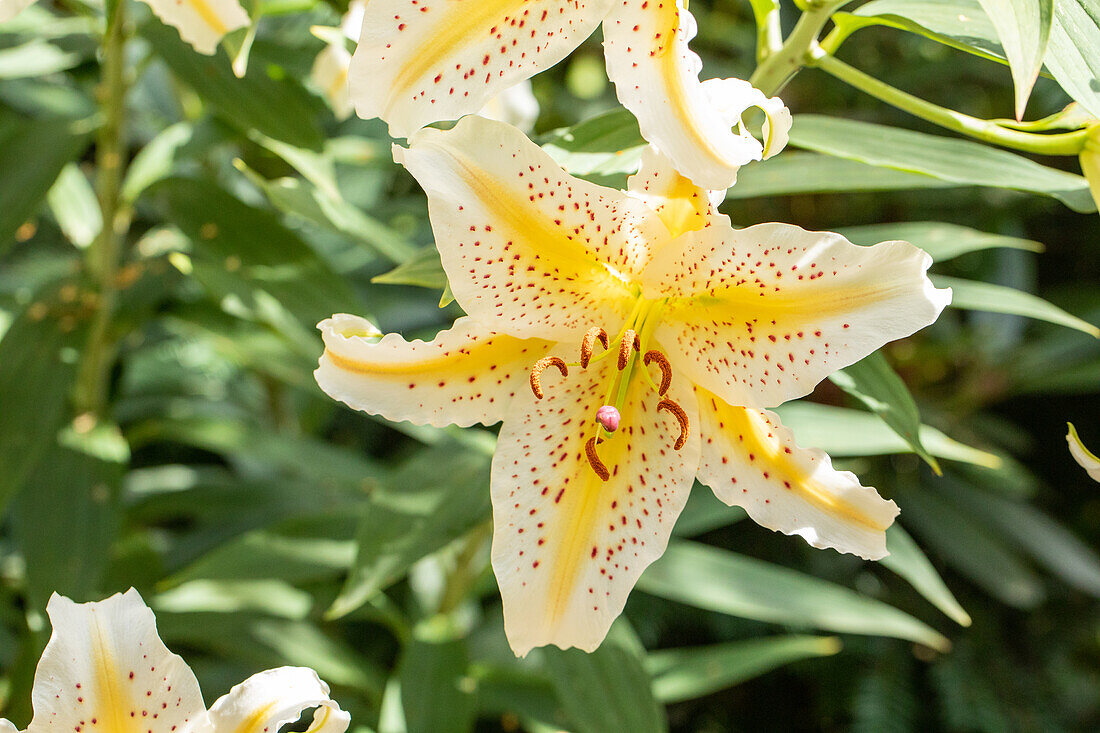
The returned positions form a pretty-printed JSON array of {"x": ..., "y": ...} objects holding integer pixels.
[{"x": 609, "y": 418}]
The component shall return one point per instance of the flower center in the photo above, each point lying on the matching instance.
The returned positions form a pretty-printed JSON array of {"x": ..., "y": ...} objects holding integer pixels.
[{"x": 630, "y": 349}]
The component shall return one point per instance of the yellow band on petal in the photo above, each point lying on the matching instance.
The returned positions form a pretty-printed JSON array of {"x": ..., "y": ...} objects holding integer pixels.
[
  {"x": 209, "y": 16},
  {"x": 759, "y": 445},
  {"x": 257, "y": 720}
]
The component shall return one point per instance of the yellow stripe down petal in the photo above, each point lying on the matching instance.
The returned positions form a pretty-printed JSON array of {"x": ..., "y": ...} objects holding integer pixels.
[
  {"x": 431, "y": 60},
  {"x": 201, "y": 23},
  {"x": 466, "y": 375},
  {"x": 751, "y": 460},
  {"x": 1085, "y": 458},
  {"x": 269, "y": 700},
  {"x": 568, "y": 546},
  {"x": 105, "y": 663}
]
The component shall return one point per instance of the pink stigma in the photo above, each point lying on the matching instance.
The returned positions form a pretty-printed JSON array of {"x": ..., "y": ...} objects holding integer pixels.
[{"x": 609, "y": 417}]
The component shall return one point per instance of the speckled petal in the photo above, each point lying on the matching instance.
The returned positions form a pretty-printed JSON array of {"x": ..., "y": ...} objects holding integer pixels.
[
  {"x": 105, "y": 667},
  {"x": 760, "y": 315},
  {"x": 682, "y": 205},
  {"x": 696, "y": 124},
  {"x": 466, "y": 375},
  {"x": 422, "y": 61},
  {"x": 202, "y": 23},
  {"x": 1085, "y": 458},
  {"x": 751, "y": 460},
  {"x": 269, "y": 700},
  {"x": 568, "y": 546},
  {"x": 528, "y": 249}
]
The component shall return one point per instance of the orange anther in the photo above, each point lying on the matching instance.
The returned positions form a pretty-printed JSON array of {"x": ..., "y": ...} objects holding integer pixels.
[
  {"x": 666, "y": 369},
  {"x": 594, "y": 460},
  {"x": 540, "y": 366},
  {"x": 589, "y": 343},
  {"x": 681, "y": 417},
  {"x": 630, "y": 341}
]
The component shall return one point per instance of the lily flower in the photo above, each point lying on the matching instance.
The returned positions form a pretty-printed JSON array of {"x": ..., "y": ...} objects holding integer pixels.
[
  {"x": 581, "y": 297},
  {"x": 424, "y": 61},
  {"x": 106, "y": 669},
  {"x": 1085, "y": 458},
  {"x": 201, "y": 23}
]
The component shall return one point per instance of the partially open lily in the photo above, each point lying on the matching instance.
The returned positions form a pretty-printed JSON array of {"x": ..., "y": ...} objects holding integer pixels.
[
  {"x": 202, "y": 23},
  {"x": 422, "y": 61},
  {"x": 1085, "y": 458},
  {"x": 581, "y": 297},
  {"x": 105, "y": 669}
]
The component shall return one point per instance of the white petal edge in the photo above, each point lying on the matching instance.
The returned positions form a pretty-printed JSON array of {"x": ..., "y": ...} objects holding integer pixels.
[
  {"x": 201, "y": 23},
  {"x": 1085, "y": 458},
  {"x": 269, "y": 700}
]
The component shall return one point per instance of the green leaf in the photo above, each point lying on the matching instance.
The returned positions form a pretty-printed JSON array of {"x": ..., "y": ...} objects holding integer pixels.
[
  {"x": 35, "y": 59},
  {"x": 1047, "y": 541},
  {"x": 510, "y": 691},
  {"x": 1024, "y": 28},
  {"x": 604, "y": 145},
  {"x": 274, "y": 104},
  {"x": 608, "y": 689},
  {"x": 717, "y": 580},
  {"x": 795, "y": 172},
  {"x": 962, "y": 162},
  {"x": 980, "y": 296},
  {"x": 65, "y": 519},
  {"x": 961, "y": 24},
  {"x": 941, "y": 240},
  {"x": 423, "y": 269},
  {"x": 156, "y": 161},
  {"x": 32, "y": 155},
  {"x": 842, "y": 432},
  {"x": 252, "y": 245},
  {"x": 907, "y": 560},
  {"x": 685, "y": 674},
  {"x": 436, "y": 691},
  {"x": 971, "y": 548},
  {"x": 1073, "y": 55},
  {"x": 435, "y": 498},
  {"x": 704, "y": 512},
  {"x": 873, "y": 382},
  {"x": 74, "y": 205},
  {"x": 38, "y": 356}
]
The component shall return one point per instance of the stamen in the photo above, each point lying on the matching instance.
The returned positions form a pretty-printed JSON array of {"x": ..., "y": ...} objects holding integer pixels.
[
  {"x": 630, "y": 341},
  {"x": 666, "y": 369},
  {"x": 540, "y": 366},
  {"x": 681, "y": 416},
  {"x": 608, "y": 416},
  {"x": 589, "y": 343},
  {"x": 594, "y": 460}
]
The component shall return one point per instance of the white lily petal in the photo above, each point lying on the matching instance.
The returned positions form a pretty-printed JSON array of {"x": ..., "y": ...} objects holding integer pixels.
[
  {"x": 11, "y": 8},
  {"x": 330, "y": 76},
  {"x": 656, "y": 77},
  {"x": 6, "y": 726},
  {"x": 751, "y": 460},
  {"x": 464, "y": 376},
  {"x": 568, "y": 546},
  {"x": 760, "y": 315},
  {"x": 529, "y": 250},
  {"x": 1085, "y": 458},
  {"x": 682, "y": 205},
  {"x": 352, "y": 22},
  {"x": 269, "y": 700},
  {"x": 202, "y": 23},
  {"x": 105, "y": 668},
  {"x": 421, "y": 61}
]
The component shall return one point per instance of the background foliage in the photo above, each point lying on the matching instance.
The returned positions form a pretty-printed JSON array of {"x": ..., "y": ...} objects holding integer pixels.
[{"x": 160, "y": 427}]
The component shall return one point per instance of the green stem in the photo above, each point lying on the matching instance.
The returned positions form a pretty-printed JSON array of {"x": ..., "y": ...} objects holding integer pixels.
[
  {"x": 103, "y": 256},
  {"x": 769, "y": 32},
  {"x": 465, "y": 572},
  {"x": 1070, "y": 143},
  {"x": 776, "y": 69}
]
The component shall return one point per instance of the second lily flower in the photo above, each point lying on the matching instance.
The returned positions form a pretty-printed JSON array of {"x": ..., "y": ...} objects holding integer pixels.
[{"x": 630, "y": 342}]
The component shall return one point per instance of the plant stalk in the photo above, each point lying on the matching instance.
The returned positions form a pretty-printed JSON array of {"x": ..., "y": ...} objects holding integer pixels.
[
  {"x": 778, "y": 67},
  {"x": 1069, "y": 143},
  {"x": 102, "y": 258}
]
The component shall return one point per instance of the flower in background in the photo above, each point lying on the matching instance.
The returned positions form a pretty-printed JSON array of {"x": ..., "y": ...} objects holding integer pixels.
[
  {"x": 423, "y": 61},
  {"x": 630, "y": 342},
  {"x": 202, "y": 23},
  {"x": 1085, "y": 458},
  {"x": 105, "y": 667}
]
